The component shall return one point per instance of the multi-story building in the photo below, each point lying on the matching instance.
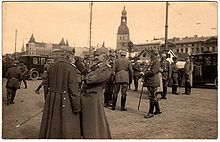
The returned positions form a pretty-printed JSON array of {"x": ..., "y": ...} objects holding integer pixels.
[
  {"x": 186, "y": 45},
  {"x": 123, "y": 33},
  {"x": 193, "y": 45},
  {"x": 45, "y": 49}
]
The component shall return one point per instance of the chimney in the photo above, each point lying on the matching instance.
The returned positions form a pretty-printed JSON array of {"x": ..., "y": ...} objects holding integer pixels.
[{"x": 196, "y": 36}]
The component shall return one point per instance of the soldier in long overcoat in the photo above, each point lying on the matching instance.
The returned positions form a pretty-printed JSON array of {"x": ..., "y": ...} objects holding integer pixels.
[
  {"x": 61, "y": 117},
  {"x": 188, "y": 69},
  {"x": 122, "y": 70},
  {"x": 94, "y": 121},
  {"x": 151, "y": 80},
  {"x": 13, "y": 75},
  {"x": 174, "y": 76}
]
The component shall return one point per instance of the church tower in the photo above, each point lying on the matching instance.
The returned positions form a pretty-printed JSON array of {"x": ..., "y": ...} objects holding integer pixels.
[{"x": 123, "y": 33}]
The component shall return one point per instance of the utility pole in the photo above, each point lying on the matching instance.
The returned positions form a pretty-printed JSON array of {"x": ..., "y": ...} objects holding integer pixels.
[
  {"x": 15, "y": 43},
  {"x": 90, "y": 27},
  {"x": 166, "y": 26}
]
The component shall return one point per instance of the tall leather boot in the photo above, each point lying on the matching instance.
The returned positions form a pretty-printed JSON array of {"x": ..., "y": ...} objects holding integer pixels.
[
  {"x": 176, "y": 93},
  {"x": 173, "y": 89},
  {"x": 123, "y": 101},
  {"x": 157, "y": 107},
  {"x": 109, "y": 99},
  {"x": 114, "y": 101},
  {"x": 151, "y": 109},
  {"x": 13, "y": 96},
  {"x": 25, "y": 84},
  {"x": 106, "y": 99}
]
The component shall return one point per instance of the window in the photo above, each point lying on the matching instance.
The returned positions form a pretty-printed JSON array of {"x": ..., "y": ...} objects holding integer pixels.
[
  {"x": 35, "y": 61},
  {"x": 197, "y": 49},
  {"x": 186, "y": 50},
  {"x": 42, "y": 61},
  {"x": 177, "y": 50},
  {"x": 202, "y": 49},
  {"x": 192, "y": 44},
  {"x": 182, "y": 50},
  {"x": 144, "y": 55}
]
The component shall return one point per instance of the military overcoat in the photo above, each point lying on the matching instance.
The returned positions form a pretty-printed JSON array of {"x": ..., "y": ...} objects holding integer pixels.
[
  {"x": 94, "y": 121},
  {"x": 151, "y": 78},
  {"x": 13, "y": 75},
  {"x": 61, "y": 117},
  {"x": 123, "y": 71}
]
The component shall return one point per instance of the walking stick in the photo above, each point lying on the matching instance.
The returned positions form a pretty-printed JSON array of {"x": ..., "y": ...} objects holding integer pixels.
[
  {"x": 140, "y": 96},
  {"x": 28, "y": 119}
]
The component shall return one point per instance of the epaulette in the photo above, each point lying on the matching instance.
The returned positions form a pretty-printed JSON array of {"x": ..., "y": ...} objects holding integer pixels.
[
  {"x": 73, "y": 65},
  {"x": 108, "y": 65}
]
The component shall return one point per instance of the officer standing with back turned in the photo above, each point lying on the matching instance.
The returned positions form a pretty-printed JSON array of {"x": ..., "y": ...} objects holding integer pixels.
[{"x": 123, "y": 78}]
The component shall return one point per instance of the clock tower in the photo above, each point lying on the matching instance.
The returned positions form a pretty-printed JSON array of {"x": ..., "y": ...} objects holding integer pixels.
[{"x": 123, "y": 33}]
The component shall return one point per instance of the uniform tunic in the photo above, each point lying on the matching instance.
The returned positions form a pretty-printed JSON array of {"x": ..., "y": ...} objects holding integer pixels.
[
  {"x": 94, "y": 121},
  {"x": 60, "y": 117}
]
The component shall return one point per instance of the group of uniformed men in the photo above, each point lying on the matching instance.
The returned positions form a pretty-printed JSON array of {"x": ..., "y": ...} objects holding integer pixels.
[{"x": 65, "y": 80}]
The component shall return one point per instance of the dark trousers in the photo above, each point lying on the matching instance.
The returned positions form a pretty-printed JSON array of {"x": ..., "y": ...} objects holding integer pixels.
[
  {"x": 174, "y": 85},
  {"x": 124, "y": 88},
  {"x": 24, "y": 80},
  {"x": 11, "y": 92},
  {"x": 108, "y": 92},
  {"x": 187, "y": 88},
  {"x": 153, "y": 101},
  {"x": 45, "y": 91},
  {"x": 165, "y": 83},
  {"x": 136, "y": 78}
]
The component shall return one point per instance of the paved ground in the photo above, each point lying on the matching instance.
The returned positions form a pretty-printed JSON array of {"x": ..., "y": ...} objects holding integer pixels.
[{"x": 183, "y": 117}]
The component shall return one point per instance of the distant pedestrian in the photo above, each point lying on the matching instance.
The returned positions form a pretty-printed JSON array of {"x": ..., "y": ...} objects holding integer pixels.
[
  {"x": 13, "y": 75},
  {"x": 188, "y": 69},
  {"x": 174, "y": 76},
  {"x": 93, "y": 119},
  {"x": 24, "y": 71},
  {"x": 122, "y": 70},
  {"x": 151, "y": 80},
  {"x": 61, "y": 118}
]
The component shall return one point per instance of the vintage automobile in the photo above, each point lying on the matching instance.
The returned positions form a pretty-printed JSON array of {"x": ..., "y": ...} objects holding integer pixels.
[{"x": 35, "y": 65}]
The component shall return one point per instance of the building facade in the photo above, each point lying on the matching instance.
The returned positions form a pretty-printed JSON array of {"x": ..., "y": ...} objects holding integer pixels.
[
  {"x": 186, "y": 45},
  {"x": 45, "y": 49},
  {"x": 123, "y": 33}
]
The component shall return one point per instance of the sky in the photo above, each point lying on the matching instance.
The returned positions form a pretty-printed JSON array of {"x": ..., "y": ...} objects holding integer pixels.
[{"x": 52, "y": 21}]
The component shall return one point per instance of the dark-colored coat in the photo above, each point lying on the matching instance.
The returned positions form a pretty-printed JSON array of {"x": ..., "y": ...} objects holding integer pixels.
[
  {"x": 136, "y": 69},
  {"x": 166, "y": 73},
  {"x": 188, "y": 69},
  {"x": 174, "y": 70},
  {"x": 60, "y": 117},
  {"x": 94, "y": 121},
  {"x": 13, "y": 75},
  {"x": 123, "y": 71},
  {"x": 151, "y": 78}
]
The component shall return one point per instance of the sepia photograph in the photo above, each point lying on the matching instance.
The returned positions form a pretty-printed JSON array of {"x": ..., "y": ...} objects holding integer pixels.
[{"x": 110, "y": 70}]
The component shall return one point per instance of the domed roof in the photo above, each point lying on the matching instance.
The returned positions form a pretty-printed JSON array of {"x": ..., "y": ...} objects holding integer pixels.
[{"x": 123, "y": 29}]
